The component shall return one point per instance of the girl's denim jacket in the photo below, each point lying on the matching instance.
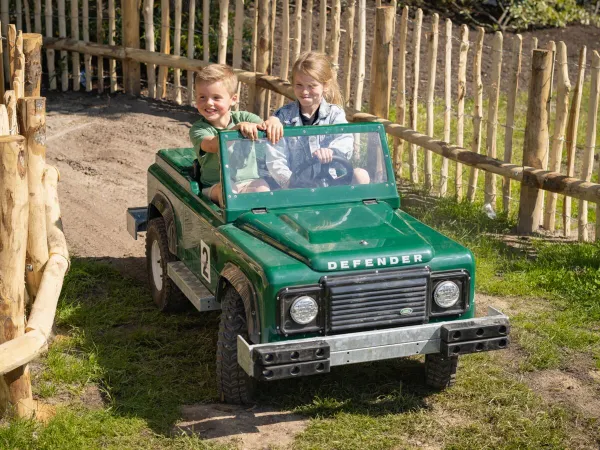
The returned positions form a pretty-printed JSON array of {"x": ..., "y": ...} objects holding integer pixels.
[{"x": 283, "y": 158}]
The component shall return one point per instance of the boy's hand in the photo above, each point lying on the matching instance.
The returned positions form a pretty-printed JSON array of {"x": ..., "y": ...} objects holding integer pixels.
[
  {"x": 325, "y": 155},
  {"x": 274, "y": 129},
  {"x": 248, "y": 130}
]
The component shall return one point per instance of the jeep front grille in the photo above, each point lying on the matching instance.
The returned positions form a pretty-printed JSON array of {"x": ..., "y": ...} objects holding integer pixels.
[{"x": 377, "y": 300}]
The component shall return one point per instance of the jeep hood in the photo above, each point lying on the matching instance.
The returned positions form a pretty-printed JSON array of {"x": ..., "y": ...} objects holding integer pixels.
[{"x": 334, "y": 238}]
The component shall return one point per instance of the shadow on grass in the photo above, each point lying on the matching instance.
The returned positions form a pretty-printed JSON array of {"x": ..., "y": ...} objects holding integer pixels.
[{"x": 149, "y": 364}]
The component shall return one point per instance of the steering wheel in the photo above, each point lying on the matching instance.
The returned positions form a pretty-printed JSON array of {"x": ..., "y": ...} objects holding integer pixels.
[{"x": 324, "y": 178}]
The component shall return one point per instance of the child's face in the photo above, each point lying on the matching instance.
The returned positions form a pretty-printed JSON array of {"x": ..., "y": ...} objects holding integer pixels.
[
  {"x": 308, "y": 91},
  {"x": 214, "y": 102}
]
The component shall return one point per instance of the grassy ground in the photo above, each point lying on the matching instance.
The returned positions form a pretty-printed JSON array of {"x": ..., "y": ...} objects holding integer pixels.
[{"x": 142, "y": 365}]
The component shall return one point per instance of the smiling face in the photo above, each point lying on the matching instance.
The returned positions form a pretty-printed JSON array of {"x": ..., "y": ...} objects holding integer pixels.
[
  {"x": 309, "y": 92},
  {"x": 214, "y": 102}
]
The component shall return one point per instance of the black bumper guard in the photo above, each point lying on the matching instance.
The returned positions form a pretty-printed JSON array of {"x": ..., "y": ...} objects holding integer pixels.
[
  {"x": 467, "y": 337},
  {"x": 287, "y": 361}
]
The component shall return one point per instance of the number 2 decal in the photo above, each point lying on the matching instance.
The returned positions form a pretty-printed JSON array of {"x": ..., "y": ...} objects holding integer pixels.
[{"x": 205, "y": 260}]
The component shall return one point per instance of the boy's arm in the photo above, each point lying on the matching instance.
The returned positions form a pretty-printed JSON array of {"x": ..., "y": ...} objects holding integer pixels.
[
  {"x": 210, "y": 144},
  {"x": 204, "y": 138}
]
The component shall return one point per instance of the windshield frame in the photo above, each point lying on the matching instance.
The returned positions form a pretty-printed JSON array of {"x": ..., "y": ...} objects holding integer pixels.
[{"x": 236, "y": 205}]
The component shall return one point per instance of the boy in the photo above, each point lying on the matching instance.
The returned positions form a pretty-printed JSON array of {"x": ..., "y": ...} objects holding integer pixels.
[{"x": 216, "y": 87}]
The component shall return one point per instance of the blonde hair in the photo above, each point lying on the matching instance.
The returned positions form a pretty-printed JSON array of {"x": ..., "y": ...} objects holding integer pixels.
[
  {"x": 215, "y": 73},
  {"x": 318, "y": 66}
]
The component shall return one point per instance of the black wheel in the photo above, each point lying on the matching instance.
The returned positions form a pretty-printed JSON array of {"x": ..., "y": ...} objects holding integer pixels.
[
  {"x": 233, "y": 384},
  {"x": 165, "y": 293},
  {"x": 440, "y": 371}
]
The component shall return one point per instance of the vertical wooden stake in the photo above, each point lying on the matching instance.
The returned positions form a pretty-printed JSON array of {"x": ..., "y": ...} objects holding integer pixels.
[
  {"x": 75, "y": 35},
  {"x": 414, "y": 105},
  {"x": 272, "y": 19},
  {"x": 11, "y": 41},
  {"x": 205, "y": 30},
  {"x": 49, "y": 51},
  {"x": 297, "y": 46},
  {"x": 492, "y": 118},
  {"x": 1, "y": 69},
  {"x": 379, "y": 103},
  {"x": 15, "y": 386},
  {"x": 322, "y": 25},
  {"x": 191, "y": 47},
  {"x": 112, "y": 63},
  {"x": 87, "y": 59},
  {"x": 223, "y": 30},
  {"x": 99, "y": 40},
  {"x": 150, "y": 45},
  {"x": 130, "y": 11},
  {"x": 460, "y": 105},
  {"x": 32, "y": 51},
  {"x": 571, "y": 138},
  {"x": 447, "y": 103},
  {"x": 308, "y": 26},
  {"x": 19, "y": 64},
  {"x": 27, "y": 17},
  {"x": 251, "y": 102},
  {"x": 10, "y": 100},
  {"x": 165, "y": 46},
  {"x": 515, "y": 72},
  {"x": 560, "y": 124},
  {"x": 32, "y": 123},
  {"x": 477, "y": 111},
  {"x": 238, "y": 34},
  {"x": 401, "y": 96},
  {"x": 590, "y": 143},
  {"x": 263, "y": 51},
  {"x": 285, "y": 47},
  {"x": 362, "y": 39},
  {"x": 19, "y": 14},
  {"x": 432, "y": 47},
  {"x": 336, "y": 32},
  {"x": 177, "y": 51},
  {"x": 536, "y": 138},
  {"x": 349, "y": 50},
  {"x": 4, "y": 17},
  {"x": 37, "y": 16}
]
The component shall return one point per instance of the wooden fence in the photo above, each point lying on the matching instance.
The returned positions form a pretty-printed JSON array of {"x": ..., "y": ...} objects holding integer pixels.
[{"x": 456, "y": 84}]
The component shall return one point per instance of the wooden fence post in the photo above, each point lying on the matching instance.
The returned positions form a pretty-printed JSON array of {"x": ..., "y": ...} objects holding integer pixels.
[
  {"x": 223, "y": 30},
  {"x": 284, "y": 65},
  {"x": 515, "y": 72},
  {"x": 462, "y": 94},
  {"x": 37, "y": 16},
  {"x": 191, "y": 47},
  {"x": 362, "y": 39},
  {"x": 205, "y": 30},
  {"x": 49, "y": 52},
  {"x": 32, "y": 49},
  {"x": 307, "y": 43},
  {"x": 76, "y": 65},
  {"x": 130, "y": 10},
  {"x": 477, "y": 112},
  {"x": 590, "y": 143},
  {"x": 349, "y": 50},
  {"x": 32, "y": 124},
  {"x": 381, "y": 85},
  {"x": 149, "y": 41},
  {"x": 263, "y": 51},
  {"x": 112, "y": 63},
  {"x": 15, "y": 386},
  {"x": 536, "y": 140},
  {"x": 87, "y": 58},
  {"x": 401, "y": 96},
  {"x": 165, "y": 46},
  {"x": 100, "y": 40},
  {"x": 447, "y": 102},
  {"x": 432, "y": 48},
  {"x": 414, "y": 105},
  {"x": 296, "y": 48},
  {"x": 177, "y": 51},
  {"x": 571, "y": 138},
  {"x": 322, "y": 25},
  {"x": 560, "y": 123},
  {"x": 492, "y": 117},
  {"x": 5, "y": 19},
  {"x": 336, "y": 18}
]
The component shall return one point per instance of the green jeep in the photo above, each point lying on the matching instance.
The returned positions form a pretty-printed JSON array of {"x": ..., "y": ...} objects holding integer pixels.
[{"x": 317, "y": 270}]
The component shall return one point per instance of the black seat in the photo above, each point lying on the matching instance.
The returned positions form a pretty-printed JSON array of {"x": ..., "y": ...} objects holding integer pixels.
[{"x": 196, "y": 171}]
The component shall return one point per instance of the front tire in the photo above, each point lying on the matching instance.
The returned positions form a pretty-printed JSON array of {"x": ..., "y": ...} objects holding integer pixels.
[
  {"x": 166, "y": 295},
  {"x": 233, "y": 384},
  {"x": 440, "y": 371}
]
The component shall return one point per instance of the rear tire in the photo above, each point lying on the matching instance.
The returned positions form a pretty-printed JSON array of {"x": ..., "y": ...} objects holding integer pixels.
[
  {"x": 166, "y": 295},
  {"x": 440, "y": 371},
  {"x": 233, "y": 383}
]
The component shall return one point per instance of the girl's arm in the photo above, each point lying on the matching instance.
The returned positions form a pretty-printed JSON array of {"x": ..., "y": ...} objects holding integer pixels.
[
  {"x": 342, "y": 144},
  {"x": 277, "y": 163}
]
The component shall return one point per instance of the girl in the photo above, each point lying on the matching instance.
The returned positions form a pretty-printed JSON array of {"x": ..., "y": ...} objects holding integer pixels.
[{"x": 319, "y": 97}]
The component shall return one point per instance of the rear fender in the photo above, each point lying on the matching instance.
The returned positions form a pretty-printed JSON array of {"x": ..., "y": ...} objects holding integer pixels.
[
  {"x": 160, "y": 206},
  {"x": 233, "y": 275}
]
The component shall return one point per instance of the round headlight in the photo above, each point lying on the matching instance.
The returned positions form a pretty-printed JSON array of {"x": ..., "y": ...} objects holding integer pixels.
[
  {"x": 446, "y": 294},
  {"x": 304, "y": 310}
]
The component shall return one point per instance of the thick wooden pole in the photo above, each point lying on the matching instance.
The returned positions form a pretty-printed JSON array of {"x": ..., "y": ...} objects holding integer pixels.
[
  {"x": 447, "y": 102},
  {"x": 32, "y": 49},
  {"x": 477, "y": 111},
  {"x": 19, "y": 64},
  {"x": 297, "y": 45},
  {"x": 263, "y": 51},
  {"x": 4, "y": 17},
  {"x": 349, "y": 49},
  {"x": 284, "y": 66},
  {"x": 322, "y": 25},
  {"x": 223, "y": 30},
  {"x": 432, "y": 48},
  {"x": 37, "y": 16},
  {"x": 492, "y": 117},
  {"x": 560, "y": 124},
  {"x": 590, "y": 143},
  {"x": 150, "y": 45},
  {"x": 191, "y": 48},
  {"x": 130, "y": 10},
  {"x": 112, "y": 64},
  {"x": 10, "y": 100},
  {"x": 11, "y": 41},
  {"x": 461, "y": 95},
  {"x": 49, "y": 51},
  {"x": 401, "y": 95},
  {"x": 1, "y": 68},
  {"x": 307, "y": 45},
  {"x": 571, "y": 139},
  {"x": 336, "y": 33},
  {"x": 75, "y": 35},
  {"x": 87, "y": 58},
  {"x": 177, "y": 51},
  {"x": 361, "y": 61},
  {"x": 165, "y": 46},
  {"x": 100, "y": 40},
  {"x": 205, "y": 30},
  {"x": 414, "y": 100},
  {"x": 238, "y": 34},
  {"x": 515, "y": 72},
  {"x": 15, "y": 389},
  {"x": 379, "y": 103},
  {"x": 32, "y": 124},
  {"x": 536, "y": 139}
]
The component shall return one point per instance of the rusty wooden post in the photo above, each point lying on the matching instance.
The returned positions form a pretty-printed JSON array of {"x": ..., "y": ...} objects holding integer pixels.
[{"x": 536, "y": 140}]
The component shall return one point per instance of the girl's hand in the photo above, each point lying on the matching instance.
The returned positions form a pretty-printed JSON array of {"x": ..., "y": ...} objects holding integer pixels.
[
  {"x": 274, "y": 129},
  {"x": 248, "y": 130},
  {"x": 325, "y": 155}
]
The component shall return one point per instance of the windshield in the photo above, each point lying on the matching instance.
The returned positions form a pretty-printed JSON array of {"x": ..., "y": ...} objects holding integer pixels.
[{"x": 305, "y": 162}]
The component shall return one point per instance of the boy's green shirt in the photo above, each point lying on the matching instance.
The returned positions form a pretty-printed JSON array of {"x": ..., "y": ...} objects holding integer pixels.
[{"x": 209, "y": 162}]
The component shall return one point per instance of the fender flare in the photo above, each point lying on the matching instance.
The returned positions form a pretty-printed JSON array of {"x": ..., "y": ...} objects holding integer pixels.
[
  {"x": 233, "y": 275},
  {"x": 164, "y": 208}
]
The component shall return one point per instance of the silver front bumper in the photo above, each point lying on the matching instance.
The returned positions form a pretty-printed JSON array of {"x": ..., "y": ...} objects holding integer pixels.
[{"x": 366, "y": 346}]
